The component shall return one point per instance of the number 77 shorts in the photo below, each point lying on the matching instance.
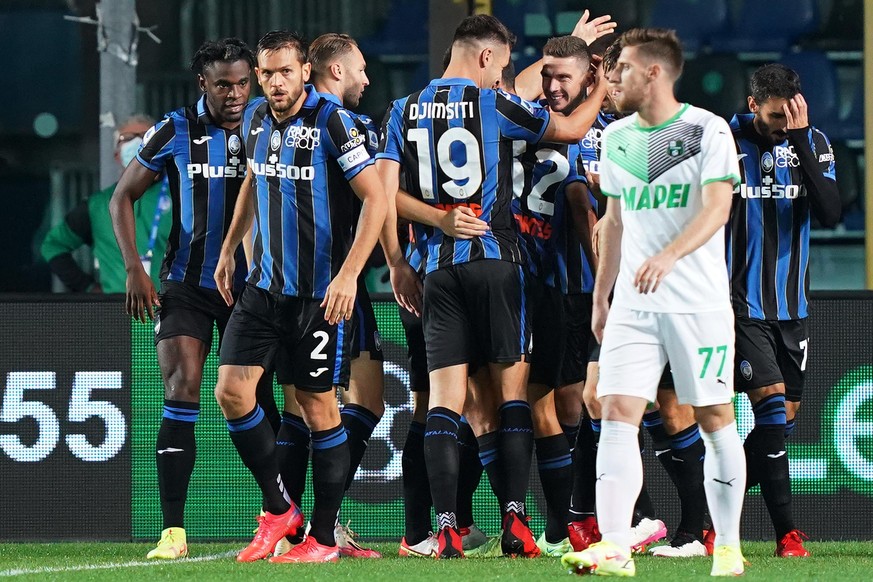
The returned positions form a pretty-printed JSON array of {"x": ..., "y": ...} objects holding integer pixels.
[
  {"x": 267, "y": 328},
  {"x": 699, "y": 346}
]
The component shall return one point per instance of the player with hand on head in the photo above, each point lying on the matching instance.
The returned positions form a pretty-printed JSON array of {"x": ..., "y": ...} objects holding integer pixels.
[
  {"x": 669, "y": 169},
  {"x": 306, "y": 164},
  {"x": 788, "y": 175},
  {"x": 200, "y": 149}
]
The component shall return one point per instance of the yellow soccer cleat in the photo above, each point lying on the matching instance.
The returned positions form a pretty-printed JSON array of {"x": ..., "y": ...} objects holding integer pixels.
[
  {"x": 727, "y": 561},
  {"x": 603, "y": 558},
  {"x": 555, "y": 550},
  {"x": 173, "y": 545}
]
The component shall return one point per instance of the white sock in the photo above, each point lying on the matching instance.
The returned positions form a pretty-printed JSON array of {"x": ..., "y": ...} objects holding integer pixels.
[
  {"x": 619, "y": 480},
  {"x": 724, "y": 474}
]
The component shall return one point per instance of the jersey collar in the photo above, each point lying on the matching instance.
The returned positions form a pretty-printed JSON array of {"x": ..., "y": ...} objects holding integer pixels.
[
  {"x": 332, "y": 98},
  {"x": 453, "y": 81},
  {"x": 202, "y": 110}
]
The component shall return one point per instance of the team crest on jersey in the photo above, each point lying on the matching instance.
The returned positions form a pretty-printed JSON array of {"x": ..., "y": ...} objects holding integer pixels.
[
  {"x": 675, "y": 148},
  {"x": 275, "y": 140},
  {"x": 233, "y": 144},
  {"x": 746, "y": 370},
  {"x": 767, "y": 162}
]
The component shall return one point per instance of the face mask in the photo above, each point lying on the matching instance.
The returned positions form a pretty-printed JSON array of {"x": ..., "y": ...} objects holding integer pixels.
[{"x": 128, "y": 150}]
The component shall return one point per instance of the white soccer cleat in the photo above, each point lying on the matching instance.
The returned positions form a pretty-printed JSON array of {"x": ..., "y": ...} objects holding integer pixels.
[
  {"x": 690, "y": 549},
  {"x": 426, "y": 548},
  {"x": 648, "y": 531}
]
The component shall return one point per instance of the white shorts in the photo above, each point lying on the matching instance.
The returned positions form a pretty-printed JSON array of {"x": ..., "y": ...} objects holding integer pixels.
[{"x": 699, "y": 346}]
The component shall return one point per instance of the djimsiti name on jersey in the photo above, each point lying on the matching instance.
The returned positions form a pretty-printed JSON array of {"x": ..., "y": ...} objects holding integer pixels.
[{"x": 431, "y": 110}]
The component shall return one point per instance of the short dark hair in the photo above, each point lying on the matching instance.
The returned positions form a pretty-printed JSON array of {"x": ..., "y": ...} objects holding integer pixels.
[
  {"x": 226, "y": 50},
  {"x": 279, "y": 39},
  {"x": 774, "y": 80},
  {"x": 610, "y": 55},
  {"x": 507, "y": 77},
  {"x": 601, "y": 44},
  {"x": 327, "y": 48},
  {"x": 660, "y": 43},
  {"x": 447, "y": 58},
  {"x": 483, "y": 27},
  {"x": 563, "y": 47}
]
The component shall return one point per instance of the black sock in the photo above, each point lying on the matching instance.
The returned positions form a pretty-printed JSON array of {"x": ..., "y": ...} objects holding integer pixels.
[
  {"x": 515, "y": 453},
  {"x": 292, "y": 454},
  {"x": 660, "y": 441},
  {"x": 255, "y": 442},
  {"x": 687, "y": 450},
  {"x": 488, "y": 459},
  {"x": 416, "y": 489},
  {"x": 265, "y": 396},
  {"x": 583, "y": 501},
  {"x": 644, "y": 506},
  {"x": 330, "y": 465},
  {"x": 441, "y": 456},
  {"x": 772, "y": 461},
  {"x": 571, "y": 431},
  {"x": 555, "y": 466},
  {"x": 359, "y": 424},
  {"x": 469, "y": 473},
  {"x": 176, "y": 450}
]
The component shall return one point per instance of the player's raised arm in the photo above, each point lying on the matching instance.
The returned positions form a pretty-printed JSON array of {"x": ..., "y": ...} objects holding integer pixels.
[
  {"x": 240, "y": 225},
  {"x": 573, "y": 127}
]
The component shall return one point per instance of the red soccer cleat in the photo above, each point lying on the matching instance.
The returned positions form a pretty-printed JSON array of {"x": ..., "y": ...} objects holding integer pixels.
[
  {"x": 271, "y": 529},
  {"x": 348, "y": 547},
  {"x": 310, "y": 551},
  {"x": 449, "y": 544},
  {"x": 517, "y": 539},
  {"x": 583, "y": 533},
  {"x": 791, "y": 545},
  {"x": 709, "y": 540}
]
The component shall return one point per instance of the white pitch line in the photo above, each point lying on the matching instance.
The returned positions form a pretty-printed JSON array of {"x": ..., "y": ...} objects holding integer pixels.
[{"x": 113, "y": 565}]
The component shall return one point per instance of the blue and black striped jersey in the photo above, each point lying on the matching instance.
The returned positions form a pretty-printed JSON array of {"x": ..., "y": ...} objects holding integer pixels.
[
  {"x": 573, "y": 271},
  {"x": 304, "y": 209},
  {"x": 205, "y": 167},
  {"x": 590, "y": 144},
  {"x": 454, "y": 142},
  {"x": 768, "y": 238}
]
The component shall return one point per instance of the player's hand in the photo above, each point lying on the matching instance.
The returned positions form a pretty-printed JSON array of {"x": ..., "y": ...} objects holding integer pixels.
[
  {"x": 407, "y": 288},
  {"x": 461, "y": 222},
  {"x": 591, "y": 31},
  {"x": 652, "y": 272},
  {"x": 339, "y": 299},
  {"x": 796, "y": 112},
  {"x": 595, "y": 238},
  {"x": 599, "y": 313},
  {"x": 141, "y": 298},
  {"x": 224, "y": 271}
]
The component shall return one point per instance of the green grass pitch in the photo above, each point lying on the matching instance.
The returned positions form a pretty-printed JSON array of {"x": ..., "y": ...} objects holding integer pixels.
[{"x": 118, "y": 562}]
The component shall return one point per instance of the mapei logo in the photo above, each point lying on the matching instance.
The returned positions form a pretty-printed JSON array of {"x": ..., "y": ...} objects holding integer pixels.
[
  {"x": 303, "y": 137},
  {"x": 785, "y": 157},
  {"x": 592, "y": 139},
  {"x": 233, "y": 144}
]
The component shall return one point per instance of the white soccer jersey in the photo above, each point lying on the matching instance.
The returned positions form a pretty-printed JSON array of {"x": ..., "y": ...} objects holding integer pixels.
[{"x": 659, "y": 173}]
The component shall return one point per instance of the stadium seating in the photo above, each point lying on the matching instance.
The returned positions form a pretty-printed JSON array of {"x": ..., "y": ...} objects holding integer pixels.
[
  {"x": 842, "y": 28},
  {"x": 818, "y": 81},
  {"x": 852, "y": 126},
  {"x": 694, "y": 21},
  {"x": 716, "y": 82},
  {"x": 404, "y": 35},
  {"x": 771, "y": 26}
]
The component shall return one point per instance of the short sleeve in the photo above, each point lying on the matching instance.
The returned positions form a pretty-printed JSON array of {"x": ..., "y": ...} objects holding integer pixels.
[
  {"x": 391, "y": 144},
  {"x": 824, "y": 153},
  {"x": 157, "y": 145},
  {"x": 520, "y": 119},
  {"x": 608, "y": 182},
  {"x": 348, "y": 142},
  {"x": 719, "y": 154}
]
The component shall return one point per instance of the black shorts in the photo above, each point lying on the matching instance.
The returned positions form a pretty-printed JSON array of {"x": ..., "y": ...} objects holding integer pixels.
[
  {"x": 308, "y": 352},
  {"x": 771, "y": 352},
  {"x": 474, "y": 313},
  {"x": 416, "y": 352},
  {"x": 548, "y": 339},
  {"x": 580, "y": 339},
  {"x": 367, "y": 338},
  {"x": 190, "y": 310}
]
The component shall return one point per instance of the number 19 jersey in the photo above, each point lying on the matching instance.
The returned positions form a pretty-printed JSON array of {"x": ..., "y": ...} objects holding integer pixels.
[{"x": 454, "y": 142}]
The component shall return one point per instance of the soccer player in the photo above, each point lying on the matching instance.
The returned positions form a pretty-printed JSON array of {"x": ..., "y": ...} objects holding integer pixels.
[
  {"x": 669, "y": 170},
  {"x": 787, "y": 170},
  {"x": 338, "y": 73},
  {"x": 453, "y": 139},
  {"x": 306, "y": 158},
  {"x": 200, "y": 149},
  {"x": 550, "y": 201}
]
